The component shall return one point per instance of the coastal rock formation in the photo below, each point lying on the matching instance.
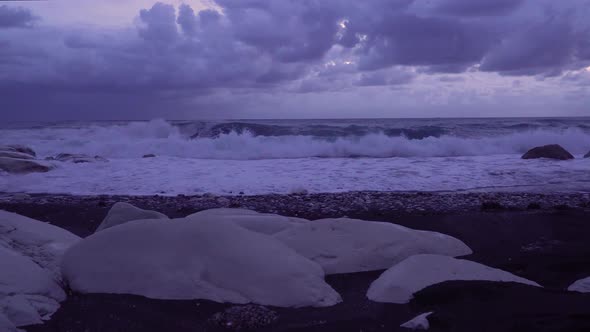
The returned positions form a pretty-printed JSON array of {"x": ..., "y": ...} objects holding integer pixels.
[
  {"x": 264, "y": 223},
  {"x": 151, "y": 155},
  {"x": 122, "y": 212},
  {"x": 18, "y": 159},
  {"x": 348, "y": 245},
  {"x": 402, "y": 281},
  {"x": 587, "y": 155},
  {"x": 18, "y": 148},
  {"x": 77, "y": 158},
  {"x": 582, "y": 286},
  {"x": 210, "y": 259},
  {"x": 30, "y": 256},
  {"x": 553, "y": 151},
  {"x": 22, "y": 166},
  {"x": 15, "y": 155}
]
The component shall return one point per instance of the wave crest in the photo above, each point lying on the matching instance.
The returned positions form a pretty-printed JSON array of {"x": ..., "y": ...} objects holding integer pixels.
[{"x": 164, "y": 139}]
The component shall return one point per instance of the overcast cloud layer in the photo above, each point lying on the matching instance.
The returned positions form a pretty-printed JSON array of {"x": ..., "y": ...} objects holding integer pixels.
[{"x": 298, "y": 58}]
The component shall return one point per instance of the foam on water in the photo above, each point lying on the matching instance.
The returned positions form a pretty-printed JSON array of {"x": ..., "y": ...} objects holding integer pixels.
[
  {"x": 159, "y": 137},
  {"x": 473, "y": 156},
  {"x": 171, "y": 176}
]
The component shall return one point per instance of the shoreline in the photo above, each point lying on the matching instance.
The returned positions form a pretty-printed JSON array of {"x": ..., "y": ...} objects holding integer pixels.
[
  {"x": 418, "y": 202},
  {"x": 547, "y": 243}
]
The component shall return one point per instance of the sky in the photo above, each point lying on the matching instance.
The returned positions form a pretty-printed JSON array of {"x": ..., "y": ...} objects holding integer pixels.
[{"x": 140, "y": 59}]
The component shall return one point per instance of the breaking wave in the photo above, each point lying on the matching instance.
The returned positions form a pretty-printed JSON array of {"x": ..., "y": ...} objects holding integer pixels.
[{"x": 132, "y": 140}]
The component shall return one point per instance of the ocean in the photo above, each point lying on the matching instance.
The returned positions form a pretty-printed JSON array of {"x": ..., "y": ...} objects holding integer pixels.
[{"x": 294, "y": 156}]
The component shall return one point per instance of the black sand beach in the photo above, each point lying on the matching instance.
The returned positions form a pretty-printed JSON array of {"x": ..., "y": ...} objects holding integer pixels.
[{"x": 539, "y": 237}]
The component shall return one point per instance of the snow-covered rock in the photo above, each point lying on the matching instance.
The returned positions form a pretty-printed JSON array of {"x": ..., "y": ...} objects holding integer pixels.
[
  {"x": 348, "y": 245},
  {"x": 582, "y": 286},
  {"x": 211, "y": 259},
  {"x": 264, "y": 223},
  {"x": 399, "y": 283},
  {"x": 43, "y": 243},
  {"x": 122, "y": 212},
  {"x": 28, "y": 292},
  {"x": 6, "y": 325},
  {"x": 22, "y": 166},
  {"x": 420, "y": 322},
  {"x": 30, "y": 259}
]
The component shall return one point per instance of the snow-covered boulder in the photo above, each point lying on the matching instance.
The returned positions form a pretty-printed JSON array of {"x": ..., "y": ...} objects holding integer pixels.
[
  {"x": 43, "y": 243},
  {"x": 183, "y": 259},
  {"x": 6, "y": 325},
  {"x": 28, "y": 292},
  {"x": 264, "y": 223},
  {"x": 402, "y": 281},
  {"x": 122, "y": 212},
  {"x": 419, "y": 322},
  {"x": 22, "y": 166},
  {"x": 30, "y": 259},
  {"x": 348, "y": 245},
  {"x": 582, "y": 286}
]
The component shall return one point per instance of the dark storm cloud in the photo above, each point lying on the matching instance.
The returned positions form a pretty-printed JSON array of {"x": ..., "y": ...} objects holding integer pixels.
[
  {"x": 477, "y": 7},
  {"x": 545, "y": 48},
  {"x": 424, "y": 41},
  {"x": 385, "y": 77},
  {"x": 15, "y": 17},
  {"x": 284, "y": 45}
]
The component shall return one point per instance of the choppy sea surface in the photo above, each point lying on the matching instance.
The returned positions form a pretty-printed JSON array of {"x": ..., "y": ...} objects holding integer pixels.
[{"x": 284, "y": 156}]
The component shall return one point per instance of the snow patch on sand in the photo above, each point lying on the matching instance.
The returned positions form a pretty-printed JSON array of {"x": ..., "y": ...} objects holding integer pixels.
[
  {"x": 402, "y": 281},
  {"x": 582, "y": 286},
  {"x": 348, "y": 245},
  {"x": 210, "y": 259}
]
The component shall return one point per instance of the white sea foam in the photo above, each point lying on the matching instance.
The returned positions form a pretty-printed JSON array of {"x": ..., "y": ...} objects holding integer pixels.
[
  {"x": 163, "y": 139},
  {"x": 231, "y": 163},
  {"x": 171, "y": 176}
]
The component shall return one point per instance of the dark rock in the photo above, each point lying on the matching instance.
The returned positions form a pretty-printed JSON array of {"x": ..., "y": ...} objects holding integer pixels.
[
  {"x": 77, "y": 158},
  {"x": 587, "y": 155},
  {"x": 22, "y": 166},
  {"x": 151, "y": 155},
  {"x": 561, "y": 207},
  {"x": 463, "y": 305},
  {"x": 15, "y": 155},
  {"x": 534, "y": 206},
  {"x": 248, "y": 317},
  {"x": 18, "y": 148},
  {"x": 553, "y": 151},
  {"x": 490, "y": 206}
]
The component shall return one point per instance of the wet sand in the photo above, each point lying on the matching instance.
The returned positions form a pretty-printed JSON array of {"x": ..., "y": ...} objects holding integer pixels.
[{"x": 544, "y": 238}]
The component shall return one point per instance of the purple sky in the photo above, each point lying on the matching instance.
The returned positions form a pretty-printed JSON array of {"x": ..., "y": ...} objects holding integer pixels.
[{"x": 136, "y": 59}]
